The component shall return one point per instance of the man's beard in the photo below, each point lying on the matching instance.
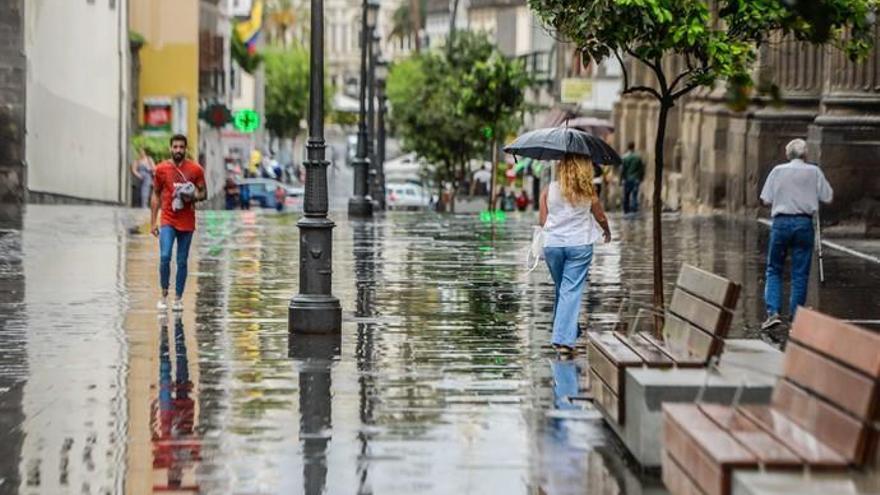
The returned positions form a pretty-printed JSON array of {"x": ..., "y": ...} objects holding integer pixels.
[{"x": 178, "y": 157}]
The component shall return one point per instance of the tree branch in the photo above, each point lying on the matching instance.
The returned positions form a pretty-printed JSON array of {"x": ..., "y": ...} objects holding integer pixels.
[
  {"x": 683, "y": 91},
  {"x": 645, "y": 89},
  {"x": 678, "y": 79},
  {"x": 623, "y": 70}
]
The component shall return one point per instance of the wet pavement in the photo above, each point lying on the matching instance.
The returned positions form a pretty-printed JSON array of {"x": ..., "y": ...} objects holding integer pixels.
[{"x": 442, "y": 381}]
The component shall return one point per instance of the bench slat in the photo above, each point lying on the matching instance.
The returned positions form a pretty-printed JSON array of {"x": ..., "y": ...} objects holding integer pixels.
[
  {"x": 831, "y": 426},
  {"x": 608, "y": 356},
  {"x": 676, "y": 479},
  {"x": 710, "y": 318},
  {"x": 686, "y": 342},
  {"x": 847, "y": 343},
  {"x": 694, "y": 440},
  {"x": 605, "y": 398},
  {"x": 709, "y": 286},
  {"x": 800, "y": 441},
  {"x": 652, "y": 355},
  {"x": 850, "y": 390},
  {"x": 767, "y": 449}
]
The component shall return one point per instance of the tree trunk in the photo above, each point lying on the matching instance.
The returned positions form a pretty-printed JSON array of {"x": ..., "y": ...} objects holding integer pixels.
[
  {"x": 416, "y": 16},
  {"x": 656, "y": 214}
]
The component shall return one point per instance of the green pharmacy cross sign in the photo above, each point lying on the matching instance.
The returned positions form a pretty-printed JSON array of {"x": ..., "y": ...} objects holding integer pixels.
[{"x": 246, "y": 120}]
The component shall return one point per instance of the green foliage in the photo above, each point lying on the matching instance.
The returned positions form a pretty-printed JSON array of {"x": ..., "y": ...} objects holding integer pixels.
[
  {"x": 156, "y": 146},
  {"x": 287, "y": 90},
  {"x": 714, "y": 46},
  {"x": 247, "y": 61},
  {"x": 443, "y": 100}
]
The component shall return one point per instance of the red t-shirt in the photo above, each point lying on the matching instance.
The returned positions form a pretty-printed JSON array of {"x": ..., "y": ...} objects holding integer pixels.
[{"x": 168, "y": 174}]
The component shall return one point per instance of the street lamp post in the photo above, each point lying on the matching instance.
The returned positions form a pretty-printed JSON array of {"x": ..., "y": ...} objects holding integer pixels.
[
  {"x": 315, "y": 309},
  {"x": 372, "y": 52},
  {"x": 381, "y": 77},
  {"x": 361, "y": 205}
]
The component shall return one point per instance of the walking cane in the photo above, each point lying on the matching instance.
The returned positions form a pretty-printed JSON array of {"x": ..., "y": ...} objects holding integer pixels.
[{"x": 819, "y": 247}]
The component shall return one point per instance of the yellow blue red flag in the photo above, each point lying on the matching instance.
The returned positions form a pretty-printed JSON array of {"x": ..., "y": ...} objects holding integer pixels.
[{"x": 247, "y": 31}]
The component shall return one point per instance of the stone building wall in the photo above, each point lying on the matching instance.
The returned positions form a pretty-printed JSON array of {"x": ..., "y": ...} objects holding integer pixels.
[
  {"x": 717, "y": 159},
  {"x": 12, "y": 106}
]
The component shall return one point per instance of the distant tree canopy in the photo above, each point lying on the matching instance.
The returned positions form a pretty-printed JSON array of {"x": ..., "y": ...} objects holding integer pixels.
[{"x": 448, "y": 104}]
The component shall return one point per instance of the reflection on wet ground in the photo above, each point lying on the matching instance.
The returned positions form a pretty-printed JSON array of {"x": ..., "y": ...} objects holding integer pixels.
[{"x": 441, "y": 381}]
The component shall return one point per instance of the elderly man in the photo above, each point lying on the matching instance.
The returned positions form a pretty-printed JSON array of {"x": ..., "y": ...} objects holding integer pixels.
[{"x": 793, "y": 191}]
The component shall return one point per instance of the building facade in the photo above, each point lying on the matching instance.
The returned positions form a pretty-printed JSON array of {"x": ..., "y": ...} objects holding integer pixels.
[
  {"x": 63, "y": 101},
  {"x": 717, "y": 158}
]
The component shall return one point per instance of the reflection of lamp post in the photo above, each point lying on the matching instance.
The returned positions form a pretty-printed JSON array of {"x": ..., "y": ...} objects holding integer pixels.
[
  {"x": 314, "y": 309},
  {"x": 360, "y": 205},
  {"x": 315, "y": 354},
  {"x": 379, "y": 185}
]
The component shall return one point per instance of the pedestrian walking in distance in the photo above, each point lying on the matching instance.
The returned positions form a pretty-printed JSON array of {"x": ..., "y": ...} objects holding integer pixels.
[
  {"x": 573, "y": 220},
  {"x": 793, "y": 191},
  {"x": 142, "y": 169},
  {"x": 179, "y": 184},
  {"x": 631, "y": 175}
]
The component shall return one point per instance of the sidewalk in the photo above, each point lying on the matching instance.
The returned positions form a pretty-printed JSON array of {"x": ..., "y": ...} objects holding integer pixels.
[{"x": 443, "y": 383}]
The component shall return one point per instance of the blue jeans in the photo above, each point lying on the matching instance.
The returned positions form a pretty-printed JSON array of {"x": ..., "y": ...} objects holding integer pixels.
[
  {"x": 570, "y": 269},
  {"x": 631, "y": 195},
  {"x": 795, "y": 234},
  {"x": 167, "y": 236}
]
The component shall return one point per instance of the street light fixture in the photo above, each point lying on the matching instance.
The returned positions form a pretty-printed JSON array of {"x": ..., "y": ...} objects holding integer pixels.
[
  {"x": 315, "y": 309},
  {"x": 381, "y": 77},
  {"x": 361, "y": 205}
]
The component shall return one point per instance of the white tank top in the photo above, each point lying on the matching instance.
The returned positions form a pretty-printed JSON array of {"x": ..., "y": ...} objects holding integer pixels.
[{"x": 568, "y": 225}]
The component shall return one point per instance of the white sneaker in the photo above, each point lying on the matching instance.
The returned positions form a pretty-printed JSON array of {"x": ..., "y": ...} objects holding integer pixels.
[
  {"x": 162, "y": 305},
  {"x": 177, "y": 306}
]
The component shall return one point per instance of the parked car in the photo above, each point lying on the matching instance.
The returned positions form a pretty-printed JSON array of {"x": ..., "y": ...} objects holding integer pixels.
[
  {"x": 262, "y": 192},
  {"x": 406, "y": 196}
]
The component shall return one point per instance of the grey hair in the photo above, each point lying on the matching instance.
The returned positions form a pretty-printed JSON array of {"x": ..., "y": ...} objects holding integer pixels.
[{"x": 796, "y": 148}]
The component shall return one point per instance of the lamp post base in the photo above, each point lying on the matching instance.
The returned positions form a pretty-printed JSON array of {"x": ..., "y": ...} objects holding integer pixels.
[
  {"x": 314, "y": 314},
  {"x": 361, "y": 207}
]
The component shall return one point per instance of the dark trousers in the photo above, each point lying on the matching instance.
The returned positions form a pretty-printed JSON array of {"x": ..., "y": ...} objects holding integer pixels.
[{"x": 631, "y": 195}]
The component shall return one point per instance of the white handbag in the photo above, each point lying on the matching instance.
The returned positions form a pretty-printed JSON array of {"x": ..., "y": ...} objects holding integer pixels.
[{"x": 536, "y": 249}]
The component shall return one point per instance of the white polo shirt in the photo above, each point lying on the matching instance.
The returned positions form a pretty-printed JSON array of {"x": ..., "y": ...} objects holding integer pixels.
[{"x": 795, "y": 188}]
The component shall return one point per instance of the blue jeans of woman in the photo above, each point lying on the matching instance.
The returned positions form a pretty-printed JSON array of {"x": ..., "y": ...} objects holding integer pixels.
[
  {"x": 167, "y": 236},
  {"x": 789, "y": 233},
  {"x": 570, "y": 268}
]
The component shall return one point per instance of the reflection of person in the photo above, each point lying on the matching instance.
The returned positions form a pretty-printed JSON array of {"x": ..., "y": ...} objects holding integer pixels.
[
  {"x": 571, "y": 215},
  {"x": 142, "y": 169},
  {"x": 179, "y": 184},
  {"x": 565, "y": 383},
  {"x": 793, "y": 191},
  {"x": 631, "y": 175},
  {"x": 175, "y": 447}
]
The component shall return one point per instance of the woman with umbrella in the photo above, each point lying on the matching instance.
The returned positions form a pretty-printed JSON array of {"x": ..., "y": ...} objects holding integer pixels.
[{"x": 572, "y": 218}]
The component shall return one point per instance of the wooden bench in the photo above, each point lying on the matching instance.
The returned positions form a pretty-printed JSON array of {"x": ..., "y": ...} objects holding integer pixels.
[
  {"x": 822, "y": 414},
  {"x": 695, "y": 325}
]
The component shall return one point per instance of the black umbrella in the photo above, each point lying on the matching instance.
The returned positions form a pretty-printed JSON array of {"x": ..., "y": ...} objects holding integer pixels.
[{"x": 555, "y": 142}]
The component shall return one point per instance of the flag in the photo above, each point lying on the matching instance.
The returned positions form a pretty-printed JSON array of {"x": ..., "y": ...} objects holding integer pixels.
[{"x": 248, "y": 31}]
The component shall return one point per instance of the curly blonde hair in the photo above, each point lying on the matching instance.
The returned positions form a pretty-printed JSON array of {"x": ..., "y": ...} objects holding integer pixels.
[{"x": 575, "y": 175}]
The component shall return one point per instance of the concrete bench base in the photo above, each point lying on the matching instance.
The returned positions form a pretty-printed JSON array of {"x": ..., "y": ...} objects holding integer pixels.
[
  {"x": 748, "y": 361},
  {"x": 786, "y": 483}
]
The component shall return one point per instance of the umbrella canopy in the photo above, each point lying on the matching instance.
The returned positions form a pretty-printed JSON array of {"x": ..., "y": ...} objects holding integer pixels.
[{"x": 555, "y": 142}]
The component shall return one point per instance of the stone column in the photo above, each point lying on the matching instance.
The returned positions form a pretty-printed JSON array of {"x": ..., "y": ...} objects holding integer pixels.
[
  {"x": 797, "y": 68},
  {"x": 12, "y": 111},
  {"x": 843, "y": 139}
]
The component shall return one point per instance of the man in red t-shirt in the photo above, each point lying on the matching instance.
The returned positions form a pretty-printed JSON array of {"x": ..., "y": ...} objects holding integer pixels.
[{"x": 177, "y": 185}]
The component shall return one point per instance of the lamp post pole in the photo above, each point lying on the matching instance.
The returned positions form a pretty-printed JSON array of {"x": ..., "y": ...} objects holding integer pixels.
[
  {"x": 315, "y": 309},
  {"x": 380, "y": 138},
  {"x": 371, "y": 115},
  {"x": 360, "y": 204}
]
